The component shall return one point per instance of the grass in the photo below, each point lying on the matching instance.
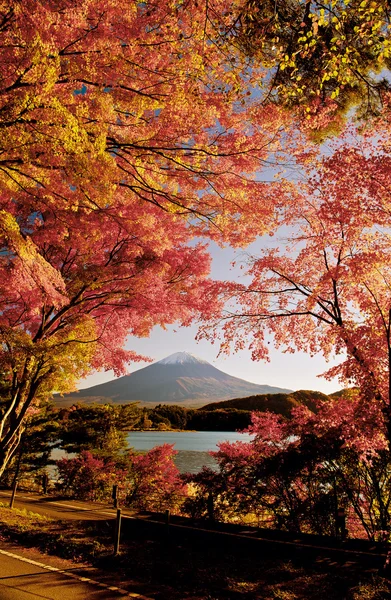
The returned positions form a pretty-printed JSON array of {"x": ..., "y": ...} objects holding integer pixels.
[{"x": 168, "y": 571}]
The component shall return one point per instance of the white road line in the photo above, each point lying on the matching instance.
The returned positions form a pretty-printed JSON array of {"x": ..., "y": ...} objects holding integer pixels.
[
  {"x": 71, "y": 506},
  {"x": 74, "y": 576},
  {"x": 97, "y": 510}
]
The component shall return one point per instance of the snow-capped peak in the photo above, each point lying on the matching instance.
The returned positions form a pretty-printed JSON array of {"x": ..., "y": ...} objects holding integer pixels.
[{"x": 181, "y": 358}]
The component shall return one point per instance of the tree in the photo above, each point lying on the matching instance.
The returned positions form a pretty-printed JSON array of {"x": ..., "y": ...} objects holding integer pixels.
[
  {"x": 101, "y": 429},
  {"x": 149, "y": 481},
  {"x": 39, "y": 438},
  {"x": 152, "y": 480},
  {"x": 296, "y": 473},
  {"x": 173, "y": 415},
  {"x": 323, "y": 59},
  {"x": 219, "y": 419},
  {"x": 328, "y": 289},
  {"x": 86, "y": 476},
  {"x": 207, "y": 489},
  {"x": 126, "y": 133}
]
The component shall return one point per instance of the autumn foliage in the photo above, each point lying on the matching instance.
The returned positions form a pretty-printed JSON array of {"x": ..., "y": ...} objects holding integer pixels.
[
  {"x": 324, "y": 286},
  {"x": 296, "y": 474},
  {"x": 126, "y": 133},
  {"x": 149, "y": 481}
]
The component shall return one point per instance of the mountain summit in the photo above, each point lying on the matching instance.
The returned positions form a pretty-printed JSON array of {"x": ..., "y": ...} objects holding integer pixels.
[
  {"x": 178, "y": 378},
  {"x": 181, "y": 358}
]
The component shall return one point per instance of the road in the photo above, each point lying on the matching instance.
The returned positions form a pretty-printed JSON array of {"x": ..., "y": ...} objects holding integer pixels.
[
  {"x": 24, "y": 578},
  {"x": 72, "y": 509},
  {"x": 60, "y": 508}
]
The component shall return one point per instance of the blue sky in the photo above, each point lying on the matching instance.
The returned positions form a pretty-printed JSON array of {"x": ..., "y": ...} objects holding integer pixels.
[{"x": 293, "y": 371}]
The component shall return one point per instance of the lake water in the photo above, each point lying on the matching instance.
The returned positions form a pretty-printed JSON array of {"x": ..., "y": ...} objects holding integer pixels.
[
  {"x": 192, "y": 446},
  {"x": 199, "y": 441}
]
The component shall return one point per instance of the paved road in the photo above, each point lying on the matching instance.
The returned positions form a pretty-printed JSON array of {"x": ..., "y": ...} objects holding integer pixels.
[
  {"x": 22, "y": 578},
  {"x": 60, "y": 508},
  {"x": 72, "y": 509}
]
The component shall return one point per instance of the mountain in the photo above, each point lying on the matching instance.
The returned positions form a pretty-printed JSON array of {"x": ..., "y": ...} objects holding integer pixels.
[{"x": 177, "y": 379}]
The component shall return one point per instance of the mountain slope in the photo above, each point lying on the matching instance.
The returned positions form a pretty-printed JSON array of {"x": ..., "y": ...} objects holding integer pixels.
[{"x": 177, "y": 378}]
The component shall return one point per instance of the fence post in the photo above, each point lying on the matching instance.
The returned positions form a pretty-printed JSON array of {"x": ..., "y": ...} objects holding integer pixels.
[
  {"x": 341, "y": 523},
  {"x": 45, "y": 483},
  {"x": 210, "y": 507},
  {"x": 15, "y": 485},
  {"x": 167, "y": 516},
  {"x": 115, "y": 496},
  {"x": 117, "y": 533}
]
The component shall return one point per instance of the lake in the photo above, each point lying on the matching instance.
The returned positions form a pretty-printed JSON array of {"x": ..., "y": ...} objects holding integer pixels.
[{"x": 193, "y": 446}]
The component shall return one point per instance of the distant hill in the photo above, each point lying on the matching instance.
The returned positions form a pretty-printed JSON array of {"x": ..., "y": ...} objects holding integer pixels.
[
  {"x": 180, "y": 378},
  {"x": 351, "y": 391},
  {"x": 232, "y": 415},
  {"x": 277, "y": 403}
]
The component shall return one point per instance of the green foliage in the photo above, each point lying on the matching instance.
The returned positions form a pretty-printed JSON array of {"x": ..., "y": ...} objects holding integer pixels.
[
  {"x": 326, "y": 54},
  {"x": 281, "y": 404},
  {"x": 220, "y": 419},
  {"x": 173, "y": 415},
  {"x": 227, "y": 415},
  {"x": 101, "y": 428},
  {"x": 37, "y": 441}
]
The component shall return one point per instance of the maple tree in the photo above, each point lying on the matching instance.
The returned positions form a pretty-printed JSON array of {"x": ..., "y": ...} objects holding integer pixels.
[
  {"x": 127, "y": 130},
  {"x": 152, "y": 480},
  {"x": 326, "y": 288},
  {"x": 149, "y": 481},
  {"x": 296, "y": 473},
  {"x": 131, "y": 128},
  {"x": 86, "y": 476}
]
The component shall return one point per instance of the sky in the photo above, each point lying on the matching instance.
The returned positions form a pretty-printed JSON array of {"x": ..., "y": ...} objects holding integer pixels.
[{"x": 293, "y": 371}]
